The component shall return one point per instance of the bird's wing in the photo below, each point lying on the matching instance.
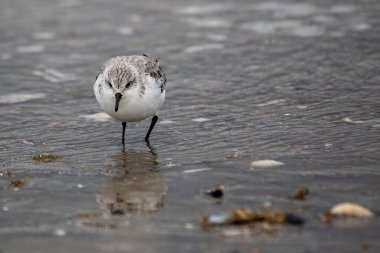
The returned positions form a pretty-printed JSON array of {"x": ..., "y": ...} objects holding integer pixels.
[{"x": 152, "y": 68}]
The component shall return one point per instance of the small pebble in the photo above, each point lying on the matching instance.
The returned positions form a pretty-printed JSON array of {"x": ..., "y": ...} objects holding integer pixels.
[
  {"x": 218, "y": 219},
  {"x": 189, "y": 226},
  {"x": 267, "y": 204},
  {"x": 294, "y": 219},
  {"x": 59, "y": 232},
  {"x": 215, "y": 193},
  {"x": 118, "y": 212},
  {"x": 347, "y": 119}
]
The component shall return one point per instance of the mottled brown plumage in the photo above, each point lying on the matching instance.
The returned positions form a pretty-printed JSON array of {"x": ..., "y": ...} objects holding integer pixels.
[{"x": 116, "y": 68}]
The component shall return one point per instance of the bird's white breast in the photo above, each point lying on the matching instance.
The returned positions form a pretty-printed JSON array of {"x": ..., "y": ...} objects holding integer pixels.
[{"x": 135, "y": 104}]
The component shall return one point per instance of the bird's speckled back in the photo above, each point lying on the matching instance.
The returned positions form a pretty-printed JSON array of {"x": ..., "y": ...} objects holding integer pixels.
[{"x": 123, "y": 69}]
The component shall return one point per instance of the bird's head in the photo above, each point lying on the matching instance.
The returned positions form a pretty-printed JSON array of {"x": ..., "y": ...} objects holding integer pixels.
[{"x": 118, "y": 81}]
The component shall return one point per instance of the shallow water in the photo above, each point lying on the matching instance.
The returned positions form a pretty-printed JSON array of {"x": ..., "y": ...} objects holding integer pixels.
[{"x": 292, "y": 81}]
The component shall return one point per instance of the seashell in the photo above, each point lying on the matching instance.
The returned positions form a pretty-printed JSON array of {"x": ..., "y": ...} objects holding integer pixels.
[
  {"x": 265, "y": 163},
  {"x": 100, "y": 116},
  {"x": 351, "y": 209}
]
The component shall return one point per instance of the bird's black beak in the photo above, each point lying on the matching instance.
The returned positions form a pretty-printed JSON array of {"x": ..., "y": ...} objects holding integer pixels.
[{"x": 118, "y": 97}]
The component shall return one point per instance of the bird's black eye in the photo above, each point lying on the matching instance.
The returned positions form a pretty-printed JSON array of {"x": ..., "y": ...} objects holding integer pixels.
[
  {"x": 128, "y": 85},
  {"x": 109, "y": 84}
]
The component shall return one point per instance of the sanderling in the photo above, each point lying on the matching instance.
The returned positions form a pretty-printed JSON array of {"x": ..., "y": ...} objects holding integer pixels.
[{"x": 130, "y": 89}]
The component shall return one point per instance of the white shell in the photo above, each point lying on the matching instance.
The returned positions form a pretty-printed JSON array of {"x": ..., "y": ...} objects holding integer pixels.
[
  {"x": 265, "y": 163},
  {"x": 351, "y": 209},
  {"x": 100, "y": 116}
]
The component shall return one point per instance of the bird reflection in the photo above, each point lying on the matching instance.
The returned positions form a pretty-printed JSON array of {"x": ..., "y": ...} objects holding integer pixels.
[{"x": 141, "y": 188}]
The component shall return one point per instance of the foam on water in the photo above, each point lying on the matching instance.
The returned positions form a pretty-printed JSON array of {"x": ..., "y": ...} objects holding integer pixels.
[
  {"x": 14, "y": 98},
  {"x": 218, "y": 37},
  {"x": 342, "y": 9},
  {"x": 30, "y": 49},
  {"x": 281, "y": 10},
  {"x": 201, "y": 120},
  {"x": 305, "y": 20},
  {"x": 165, "y": 122},
  {"x": 203, "y": 47},
  {"x": 125, "y": 30},
  {"x": 291, "y": 27},
  {"x": 308, "y": 31},
  {"x": 324, "y": 19},
  {"x": 208, "y": 22},
  {"x": 360, "y": 27},
  {"x": 203, "y": 9},
  {"x": 44, "y": 36},
  {"x": 53, "y": 75}
]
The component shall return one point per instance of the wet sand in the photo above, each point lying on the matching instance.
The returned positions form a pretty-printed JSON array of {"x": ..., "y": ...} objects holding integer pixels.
[{"x": 293, "y": 82}]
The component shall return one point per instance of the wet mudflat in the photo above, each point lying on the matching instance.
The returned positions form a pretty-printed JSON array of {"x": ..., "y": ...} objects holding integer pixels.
[{"x": 295, "y": 82}]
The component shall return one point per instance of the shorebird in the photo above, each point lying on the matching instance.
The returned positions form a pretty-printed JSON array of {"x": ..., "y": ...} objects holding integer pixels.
[{"x": 130, "y": 89}]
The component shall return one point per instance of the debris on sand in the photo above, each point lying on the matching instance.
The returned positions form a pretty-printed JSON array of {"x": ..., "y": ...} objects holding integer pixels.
[
  {"x": 265, "y": 164},
  {"x": 46, "y": 158},
  {"x": 16, "y": 183},
  {"x": 350, "y": 210},
  {"x": 9, "y": 173},
  {"x": 301, "y": 193},
  {"x": 90, "y": 215},
  {"x": 241, "y": 216}
]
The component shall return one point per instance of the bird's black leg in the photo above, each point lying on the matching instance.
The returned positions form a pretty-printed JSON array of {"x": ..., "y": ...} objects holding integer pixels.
[
  {"x": 124, "y": 125},
  {"x": 154, "y": 121}
]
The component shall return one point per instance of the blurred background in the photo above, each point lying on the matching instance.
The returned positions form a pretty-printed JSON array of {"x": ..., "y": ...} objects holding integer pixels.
[{"x": 292, "y": 81}]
